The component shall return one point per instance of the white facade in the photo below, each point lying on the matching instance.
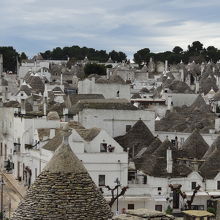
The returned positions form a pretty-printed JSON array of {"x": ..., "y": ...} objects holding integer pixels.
[
  {"x": 109, "y": 90},
  {"x": 115, "y": 121}
]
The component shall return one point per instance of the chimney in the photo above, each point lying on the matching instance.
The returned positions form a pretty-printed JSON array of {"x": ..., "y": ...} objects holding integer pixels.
[
  {"x": 45, "y": 100},
  {"x": 66, "y": 139},
  {"x": 61, "y": 79},
  {"x": 197, "y": 86},
  {"x": 182, "y": 75},
  {"x": 52, "y": 132},
  {"x": 166, "y": 66},
  {"x": 169, "y": 161},
  {"x": 217, "y": 124}
]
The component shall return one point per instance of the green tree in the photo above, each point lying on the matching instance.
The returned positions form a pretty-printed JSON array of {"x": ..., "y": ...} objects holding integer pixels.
[
  {"x": 177, "y": 50},
  {"x": 195, "y": 48},
  {"x": 10, "y": 56},
  {"x": 142, "y": 55},
  {"x": 117, "y": 56},
  {"x": 23, "y": 56},
  {"x": 94, "y": 68}
]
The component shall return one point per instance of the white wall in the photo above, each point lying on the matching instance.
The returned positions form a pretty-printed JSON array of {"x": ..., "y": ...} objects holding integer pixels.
[{"x": 115, "y": 121}]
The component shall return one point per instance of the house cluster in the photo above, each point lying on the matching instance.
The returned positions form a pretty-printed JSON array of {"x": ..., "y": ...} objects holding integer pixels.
[{"x": 151, "y": 133}]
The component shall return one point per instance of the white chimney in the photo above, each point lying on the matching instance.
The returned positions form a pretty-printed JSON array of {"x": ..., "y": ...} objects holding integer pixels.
[
  {"x": 182, "y": 75},
  {"x": 66, "y": 139},
  {"x": 217, "y": 124},
  {"x": 52, "y": 133},
  {"x": 23, "y": 106},
  {"x": 166, "y": 66},
  {"x": 61, "y": 79},
  {"x": 169, "y": 161},
  {"x": 197, "y": 86}
]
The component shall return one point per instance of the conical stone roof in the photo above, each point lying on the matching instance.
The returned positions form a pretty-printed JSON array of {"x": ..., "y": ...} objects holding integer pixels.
[
  {"x": 138, "y": 137},
  {"x": 195, "y": 146},
  {"x": 214, "y": 146},
  {"x": 64, "y": 190},
  {"x": 211, "y": 167},
  {"x": 199, "y": 104}
]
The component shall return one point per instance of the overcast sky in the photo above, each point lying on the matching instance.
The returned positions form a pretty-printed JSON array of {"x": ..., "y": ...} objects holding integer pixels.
[{"x": 34, "y": 26}]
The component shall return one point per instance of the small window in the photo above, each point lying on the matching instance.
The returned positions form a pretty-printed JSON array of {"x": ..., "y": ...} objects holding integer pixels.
[
  {"x": 173, "y": 142},
  {"x": 130, "y": 206},
  {"x": 117, "y": 95},
  {"x": 101, "y": 180},
  {"x": 159, "y": 188},
  {"x": 128, "y": 127},
  {"x": 158, "y": 208},
  {"x": 103, "y": 147},
  {"x": 145, "y": 180},
  {"x": 218, "y": 184},
  {"x": 193, "y": 185},
  {"x": 182, "y": 140}
]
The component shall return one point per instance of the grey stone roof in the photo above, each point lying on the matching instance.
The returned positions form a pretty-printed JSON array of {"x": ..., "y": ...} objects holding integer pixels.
[
  {"x": 64, "y": 190},
  {"x": 211, "y": 167},
  {"x": 88, "y": 134},
  {"x": 117, "y": 104},
  {"x": 186, "y": 119},
  {"x": 139, "y": 137},
  {"x": 53, "y": 116},
  {"x": 195, "y": 146},
  {"x": 214, "y": 146}
]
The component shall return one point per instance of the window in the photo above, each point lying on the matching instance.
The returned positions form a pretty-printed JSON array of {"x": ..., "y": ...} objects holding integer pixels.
[
  {"x": 117, "y": 95},
  {"x": 158, "y": 208},
  {"x": 181, "y": 140},
  {"x": 101, "y": 180},
  {"x": 193, "y": 185},
  {"x": 159, "y": 188},
  {"x": 145, "y": 180},
  {"x": 103, "y": 147},
  {"x": 130, "y": 206},
  {"x": 128, "y": 127},
  {"x": 218, "y": 184}
]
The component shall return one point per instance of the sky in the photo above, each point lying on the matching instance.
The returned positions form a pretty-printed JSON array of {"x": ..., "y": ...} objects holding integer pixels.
[{"x": 35, "y": 26}]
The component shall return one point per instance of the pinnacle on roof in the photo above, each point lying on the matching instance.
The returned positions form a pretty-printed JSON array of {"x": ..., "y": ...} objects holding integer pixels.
[
  {"x": 64, "y": 190},
  {"x": 195, "y": 146}
]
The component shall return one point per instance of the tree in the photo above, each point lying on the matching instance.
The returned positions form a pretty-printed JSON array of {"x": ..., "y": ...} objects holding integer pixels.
[
  {"x": 23, "y": 56},
  {"x": 10, "y": 56},
  {"x": 177, "y": 50},
  {"x": 189, "y": 202},
  {"x": 195, "y": 48},
  {"x": 115, "y": 197},
  {"x": 94, "y": 68},
  {"x": 142, "y": 55}
]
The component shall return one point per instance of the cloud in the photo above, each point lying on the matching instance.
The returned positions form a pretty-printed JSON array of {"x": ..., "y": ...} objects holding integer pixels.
[{"x": 36, "y": 25}]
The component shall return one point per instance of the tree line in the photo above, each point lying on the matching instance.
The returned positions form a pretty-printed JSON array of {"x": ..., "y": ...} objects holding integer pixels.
[
  {"x": 195, "y": 52},
  {"x": 79, "y": 53}
]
